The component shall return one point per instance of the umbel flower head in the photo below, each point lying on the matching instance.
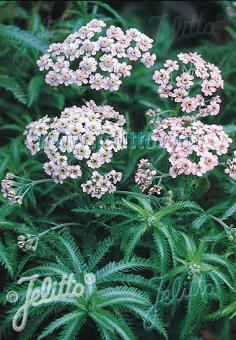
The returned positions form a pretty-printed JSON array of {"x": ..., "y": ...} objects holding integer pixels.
[
  {"x": 11, "y": 189},
  {"x": 85, "y": 136},
  {"x": 231, "y": 167},
  {"x": 145, "y": 175},
  {"x": 96, "y": 56},
  {"x": 193, "y": 146},
  {"x": 27, "y": 242},
  {"x": 192, "y": 82}
]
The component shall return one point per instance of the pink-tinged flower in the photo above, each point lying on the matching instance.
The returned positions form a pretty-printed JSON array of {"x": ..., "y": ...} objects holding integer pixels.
[
  {"x": 133, "y": 53},
  {"x": 112, "y": 83},
  {"x": 144, "y": 43},
  {"x": 96, "y": 81},
  {"x": 89, "y": 48},
  {"x": 80, "y": 77},
  {"x": 201, "y": 71},
  {"x": 75, "y": 172},
  {"x": 105, "y": 44},
  {"x": 165, "y": 91},
  {"x": 45, "y": 62},
  {"x": 189, "y": 104},
  {"x": 161, "y": 77},
  {"x": 199, "y": 169},
  {"x": 119, "y": 50},
  {"x": 53, "y": 78},
  {"x": 96, "y": 25},
  {"x": 71, "y": 50},
  {"x": 185, "y": 80},
  {"x": 184, "y": 57},
  {"x": 88, "y": 65},
  {"x": 148, "y": 60},
  {"x": 114, "y": 32},
  {"x": 133, "y": 34},
  {"x": 171, "y": 65},
  {"x": 107, "y": 62},
  {"x": 178, "y": 94},
  {"x": 55, "y": 49},
  {"x": 67, "y": 77},
  {"x": 208, "y": 87},
  {"x": 60, "y": 64},
  {"x": 122, "y": 69}
]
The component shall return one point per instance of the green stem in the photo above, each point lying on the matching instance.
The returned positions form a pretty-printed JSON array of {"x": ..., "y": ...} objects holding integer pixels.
[
  {"x": 41, "y": 181},
  {"x": 56, "y": 227},
  {"x": 224, "y": 225}
]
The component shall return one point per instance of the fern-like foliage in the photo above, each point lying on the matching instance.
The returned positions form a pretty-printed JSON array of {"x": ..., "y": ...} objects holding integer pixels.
[
  {"x": 202, "y": 270},
  {"x": 23, "y": 38},
  {"x": 12, "y": 85},
  {"x": 115, "y": 295}
]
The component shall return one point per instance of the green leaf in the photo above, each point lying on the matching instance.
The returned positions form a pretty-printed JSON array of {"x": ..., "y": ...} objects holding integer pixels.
[
  {"x": 21, "y": 37},
  {"x": 6, "y": 259},
  {"x": 12, "y": 85},
  {"x": 34, "y": 88},
  {"x": 231, "y": 211}
]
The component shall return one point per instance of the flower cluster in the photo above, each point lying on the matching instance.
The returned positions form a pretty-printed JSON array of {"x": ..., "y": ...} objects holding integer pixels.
[
  {"x": 27, "y": 242},
  {"x": 10, "y": 189},
  {"x": 194, "y": 269},
  {"x": 155, "y": 190},
  {"x": 194, "y": 147},
  {"x": 89, "y": 135},
  {"x": 152, "y": 115},
  {"x": 144, "y": 174},
  {"x": 99, "y": 184},
  {"x": 191, "y": 82},
  {"x": 231, "y": 233},
  {"x": 100, "y": 60},
  {"x": 231, "y": 167}
]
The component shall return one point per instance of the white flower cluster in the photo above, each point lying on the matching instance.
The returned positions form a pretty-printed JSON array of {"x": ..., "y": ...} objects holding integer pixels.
[
  {"x": 194, "y": 269},
  {"x": 101, "y": 61},
  {"x": 99, "y": 184},
  {"x": 89, "y": 134},
  {"x": 27, "y": 242}
]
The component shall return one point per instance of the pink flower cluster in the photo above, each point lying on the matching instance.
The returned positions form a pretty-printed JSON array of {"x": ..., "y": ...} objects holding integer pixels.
[
  {"x": 89, "y": 134},
  {"x": 9, "y": 189},
  {"x": 145, "y": 175},
  {"x": 101, "y": 61},
  {"x": 192, "y": 82},
  {"x": 99, "y": 184},
  {"x": 193, "y": 147},
  {"x": 231, "y": 167}
]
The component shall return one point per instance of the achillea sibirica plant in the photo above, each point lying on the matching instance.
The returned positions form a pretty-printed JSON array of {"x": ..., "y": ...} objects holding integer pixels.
[
  {"x": 108, "y": 206},
  {"x": 100, "y": 60}
]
